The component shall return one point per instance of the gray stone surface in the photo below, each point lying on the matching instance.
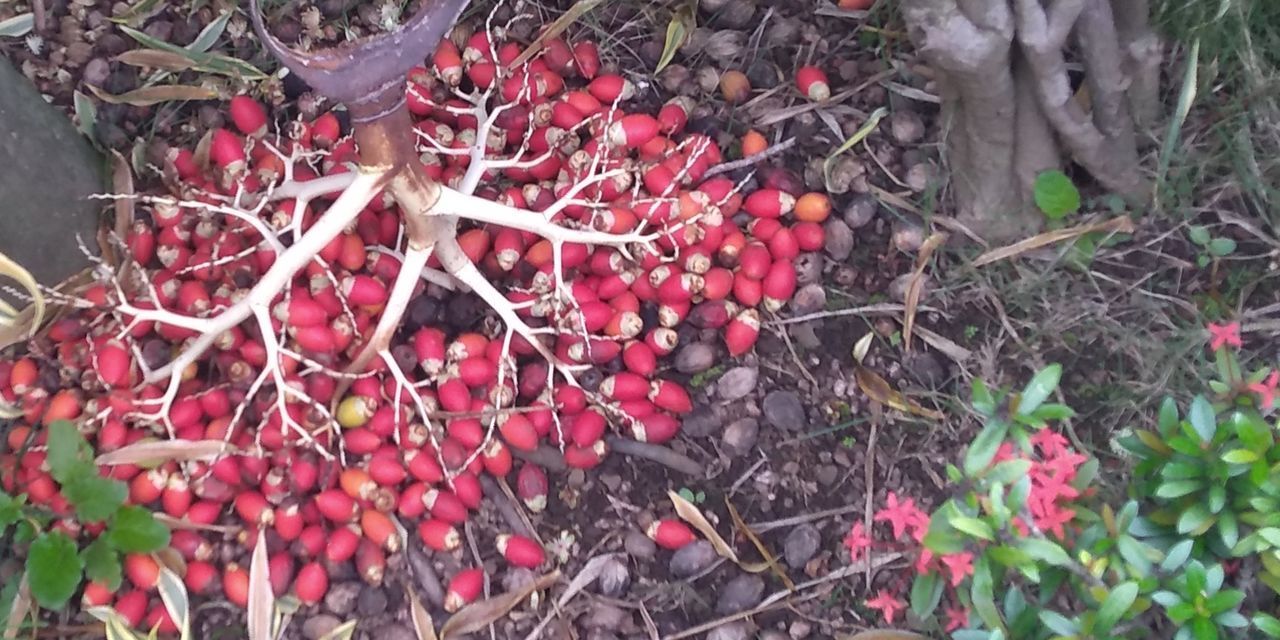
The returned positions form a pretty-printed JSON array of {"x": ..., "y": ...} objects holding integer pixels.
[{"x": 47, "y": 172}]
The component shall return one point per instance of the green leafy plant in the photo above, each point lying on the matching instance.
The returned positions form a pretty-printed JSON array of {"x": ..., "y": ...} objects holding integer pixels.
[
  {"x": 1209, "y": 247},
  {"x": 1055, "y": 195},
  {"x": 56, "y": 562}
]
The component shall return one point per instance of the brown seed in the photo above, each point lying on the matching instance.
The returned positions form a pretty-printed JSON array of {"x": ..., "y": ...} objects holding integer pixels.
[{"x": 734, "y": 86}]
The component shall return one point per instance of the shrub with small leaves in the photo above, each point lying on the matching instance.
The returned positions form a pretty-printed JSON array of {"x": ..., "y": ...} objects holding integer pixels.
[{"x": 57, "y": 562}]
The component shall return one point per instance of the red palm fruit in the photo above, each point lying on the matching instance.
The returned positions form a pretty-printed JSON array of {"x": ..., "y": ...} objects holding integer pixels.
[
  {"x": 670, "y": 534},
  {"x": 632, "y": 130},
  {"x": 146, "y": 487},
  {"x": 132, "y": 605},
  {"x": 445, "y": 505},
  {"x": 312, "y": 583},
  {"x": 611, "y": 87},
  {"x": 587, "y": 58},
  {"x": 200, "y": 577},
  {"x": 585, "y": 457},
  {"x": 227, "y": 151},
  {"x": 497, "y": 459},
  {"x": 661, "y": 340},
  {"x": 341, "y": 545},
  {"x": 409, "y": 502},
  {"x": 253, "y": 508},
  {"x": 712, "y": 314},
  {"x": 325, "y": 130},
  {"x": 754, "y": 261},
  {"x": 448, "y": 62},
  {"x": 468, "y": 432},
  {"x": 423, "y": 465},
  {"x": 779, "y": 285},
  {"x": 289, "y": 522},
  {"x": 280, "y": 572},
  {"x": 747, "y": 291},
  {"x": 387, "y": 470},
  {"x": 624, "y": 386},
  {"x": 357, "y": 483},
  {"x": 570, "y": 400},
  {"x": 190, "y": 544},
  {"x": 769, "y": 203},
  {"x": 520, "y": 551},
  {"x": 637, "y": 408},
  {"x": 23, "y": 376},
  {"x": 810, "y": 236},
  {"x": 204, "y": 512},
  {"x": 336, "y": 505},
  {"x": 248, "y": 115},
  {"x": 361, "y": 441},
  {"x": 639, "y": 358},
  {"x": 656, "y": 428},
  {"x": 364, "y": 291},
  {"x": 587, "y": 428},
  {"x": 812, "y": 83},
  {"x": 142, "y": 570},
  {"x": 454, "y": 395},
  {"x": 300, "y": 311},
  {"x": 439, "y": 535},
  {"x": 303, "y": 474},
  {"x": 371, "y": 562},
  {"x": 670, "y": 396},
  {"x": 176, "y": 498},
  {"x": 311, "y": 542},
  {"x": 784, "y": 245},
  {"x": 429, "y": 346},
  {"x": 741, "y": 333},
  {"x": 518, "y": 431},
  {"x": 532, "y": 487},
  {"x": 113, "y": 363},
  {"x": 64, "y": 405},
  {"x": 379, "y": 529},
  {"x": 96, "y": 594},
  {"x": 467, "y": 487},
  {"x": 464, "y": 588},
  {"x": 674, "y": 115}
]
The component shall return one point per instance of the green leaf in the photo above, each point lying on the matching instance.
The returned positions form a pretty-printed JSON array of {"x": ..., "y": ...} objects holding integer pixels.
[
  {"x": 1271, "y": 535},
  {"x": 1135, "y": 553},
  {"x": 926, "y": 593},
  {"x": 1039, "y": 389},
  {"x": 941, "y": 538},
  {"x": 1167, "y": 421},
  {"x": 1222, "y": 247},
  {"x": 1239, "y": 456},
  {"x": 1204, "y": 629},
  {"x": 1203, "y": 419},
  {"x": 210, "y": 34},
  {"x": 972, "y": 526},
  {"x": 95, "y": 498},
  {"x": 1059, "y": 624},
  {"x": 1224, "y": 601},
  {"x": 983, "y": 595},
  {"x": 1115, "y": 606},
  {"x": 1199, "y": 234},
  {"x": 1053, "y": 411},
  {"x": 1195, "y": 520},
  {"x": 983, "y": 448},
  {"x": 1267, "y": 624},
  {"x": 68, "y": 451},
  {"x": 1056, "y": 195},
  {"x": 53, "y": 569},
  {"x": 1228, "y": 528},
  {"x": 1166, "y": 599},
  {"x": 1231, "y": 619},
  {"x": 981, "y": 399},
  {"x": 1008, "y": 471},
  {"x": 1045, "y": 551},
  {"x": 1177, "y": 488},
  {"x": 102, "y": 563},
  {"x": 1177, "y": 555},
  {"x": 10, "y": 509},
  {"x": 134, "y": 530},
  {"x": 683, "y": 22}
]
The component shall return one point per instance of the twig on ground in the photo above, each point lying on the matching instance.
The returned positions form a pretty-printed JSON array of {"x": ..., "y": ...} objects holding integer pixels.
[
  {"x": 776, "y": 149},
  {"x": 882, "y": 309},
  {"x": 656, "y": 453}
]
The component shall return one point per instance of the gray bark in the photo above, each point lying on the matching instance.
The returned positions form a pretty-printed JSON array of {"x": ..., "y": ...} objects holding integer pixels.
[
  {"x": 49, "y": 171},
  {"x": 1009, "y": 106},
  {"x": 1143, "y": 54}
]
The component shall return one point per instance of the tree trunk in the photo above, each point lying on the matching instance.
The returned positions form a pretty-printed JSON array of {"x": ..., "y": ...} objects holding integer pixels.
[
  {"x": 49, "y": 171},
  {"x": 1008, "y": 105}
]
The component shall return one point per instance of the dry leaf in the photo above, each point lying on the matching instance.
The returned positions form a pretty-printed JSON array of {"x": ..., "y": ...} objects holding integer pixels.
[
  {"x": 19, "y": 326},
  {"x": 478, "y": 615},
  {"x": 770, "y": 560},
  {"x": 173, "y": 594},
  {"x": 422, "y": 622},
  {"x": 585, "y": 577},
  {"x": 1114, "y": 225},
  {"x": 555, "y": 29},
  {"x": 693, "y": 516},
  {"x": 178, "y": 523},
  {"x": 930, "y": 245},
  {"x": 157, "y": 59},
  {"x": 148, "y": 96},
  {"x": 343, "y": 631},
  {"x": 861, "y": 347},
  {"x": 878, "y": 389},
  {"x": 18, "y": 610},
  {"x": 261, "y": 599},
  {"x": 683, "y": 22},
  {"x": 159, "y": 451}
]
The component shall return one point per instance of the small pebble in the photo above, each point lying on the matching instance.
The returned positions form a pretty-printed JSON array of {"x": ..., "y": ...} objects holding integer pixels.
[
  {"x": 639, "y": 546},
  {"x": 860, "y": 211},
  {"x": 772, "y": 634},
  {"x": 695, "y": 358},
  {"x": 701, "y": 422},
  {"x": 736, "y": 383},
  {"x": 799, "y": 630},
  {"x": 738, "y": 630},
  {"x": 614, "y": 578},
  {"x": 318, "y": 625},
  {"x": 906, "y": 127},
  {"x": 809, "y": 298},
  {"x": 394, "y": 631},
  {"x": 839, "y": 242},
  {"x": 925, "y": 368},
  {"x": 800, "y": 544},
  {"x": 341, "y": 599},
  {"x": 826, "y": 474},
  {"x": 740, "y": 594},
  {"x": 784, "y": 410},
  {"x": 898, "y": 288},
  {"x": 809, "y": 269},
  {"x": 604, "y": 616},
  {"x": 740, "y": 436},
  {"x": 372, "y": 601},
  {"x": 692, "y": 558},
  {"x": 919, "y": 176}
]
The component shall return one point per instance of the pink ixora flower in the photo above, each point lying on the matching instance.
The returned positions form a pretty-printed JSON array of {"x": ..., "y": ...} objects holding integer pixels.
[
  {"x": 901, "y": 515},
  {"x": 857, "y": 541},
  {"x": 1224, "y": 335},
  {"x": 887, "y": 605},
  {"x": 1266, "y": 389},
  {"x": 959, "y": 565},
  {"x": 1050, "y": 442},
  {"x": 957, "y": 618}
]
